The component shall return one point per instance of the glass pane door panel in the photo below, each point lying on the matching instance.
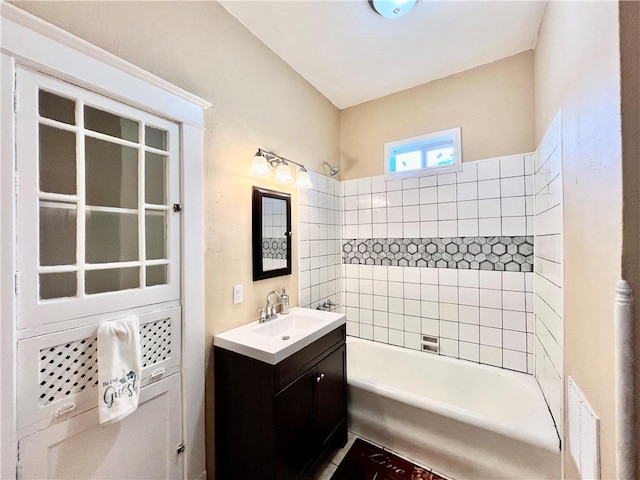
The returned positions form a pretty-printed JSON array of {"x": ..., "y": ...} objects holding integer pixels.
[
  {"x": 110, "y": 124},
  {"x": 155, "y": 179},
  {"x": 111, "y": 237},
  {"x": 155, "y": 138},
  {"x": 57, "y": 234},
  {"x": 57, "y": 160},
  {"x": 156, "y": 234},
  {"x": 156, "y": 275},
  {"x": 58, "y": 285},
  {"x": 111, "y": 280},
  {"x": 56, "y": 108},
  {"x": 111, "y": 174}
]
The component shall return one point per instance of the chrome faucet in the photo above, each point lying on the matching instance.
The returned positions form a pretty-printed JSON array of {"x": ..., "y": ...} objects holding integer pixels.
[{"x": 269, "y": 312}]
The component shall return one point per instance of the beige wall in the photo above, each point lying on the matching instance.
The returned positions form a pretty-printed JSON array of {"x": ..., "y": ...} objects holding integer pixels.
[
  {"x": 259, "y": 101},
  {"x": 493, "y": 104},
  {"x": 578, "y": 71}
]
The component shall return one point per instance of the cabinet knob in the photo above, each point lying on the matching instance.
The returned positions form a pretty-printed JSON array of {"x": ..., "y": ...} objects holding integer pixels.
[{"x": 319, "y": 377}]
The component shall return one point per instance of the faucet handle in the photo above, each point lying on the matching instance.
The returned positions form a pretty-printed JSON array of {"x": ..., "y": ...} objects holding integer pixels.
[{"x": 263, "y": 314}]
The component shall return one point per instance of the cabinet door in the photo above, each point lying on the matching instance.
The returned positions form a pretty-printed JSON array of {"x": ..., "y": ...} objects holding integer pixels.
[
  {"x": 294, "y": 424},
  {"x": 331, "y": 405}
]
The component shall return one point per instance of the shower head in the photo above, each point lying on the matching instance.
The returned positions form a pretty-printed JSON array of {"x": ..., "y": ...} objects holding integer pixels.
[{"x": 333, "y": 170}]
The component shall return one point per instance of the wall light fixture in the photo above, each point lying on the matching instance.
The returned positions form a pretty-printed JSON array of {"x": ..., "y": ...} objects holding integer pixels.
[{"x": 264, "y": 162}]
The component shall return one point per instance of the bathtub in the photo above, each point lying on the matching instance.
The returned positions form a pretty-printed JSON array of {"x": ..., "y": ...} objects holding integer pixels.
[{"x": 465, "y": 420}]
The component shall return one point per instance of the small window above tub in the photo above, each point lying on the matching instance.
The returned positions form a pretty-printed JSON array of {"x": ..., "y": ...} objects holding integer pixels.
[{"x": 430, "y": 154}]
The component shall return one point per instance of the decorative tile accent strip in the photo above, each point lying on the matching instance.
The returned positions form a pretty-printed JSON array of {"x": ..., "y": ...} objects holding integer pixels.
[
  {"x": 274, "y": 248},
  {"x": 512, "y": 254}
]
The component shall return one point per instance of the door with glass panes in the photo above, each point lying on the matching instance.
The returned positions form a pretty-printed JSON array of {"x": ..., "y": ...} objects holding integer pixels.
[{"x": 98, "y": 238}]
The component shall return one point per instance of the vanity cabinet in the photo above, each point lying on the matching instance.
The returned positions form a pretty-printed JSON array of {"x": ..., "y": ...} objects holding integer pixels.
[{"x": 276, "y": 421}]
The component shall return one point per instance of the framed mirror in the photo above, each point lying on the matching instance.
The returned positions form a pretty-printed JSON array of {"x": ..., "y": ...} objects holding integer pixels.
[{"x": 271, "y": 233}]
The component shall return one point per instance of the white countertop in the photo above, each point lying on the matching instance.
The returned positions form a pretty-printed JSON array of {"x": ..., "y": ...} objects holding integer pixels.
[{"x": 275, "y": 340}]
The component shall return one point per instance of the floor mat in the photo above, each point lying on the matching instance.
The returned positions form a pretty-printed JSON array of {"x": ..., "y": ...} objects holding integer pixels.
[{"x": 365, "y": 461}]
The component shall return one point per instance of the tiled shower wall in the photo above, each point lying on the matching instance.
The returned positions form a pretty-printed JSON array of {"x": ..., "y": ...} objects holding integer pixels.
[
  {"x": 548, "y": 300},
  {"x": 319, "y": 243},
  {"x": 448, "y": 256}
]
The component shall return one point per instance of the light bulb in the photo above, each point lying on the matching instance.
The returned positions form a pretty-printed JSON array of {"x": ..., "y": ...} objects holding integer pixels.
[
  {"x": 283, "y": 174},
  {"x": 259, "y": 167},
  {"x": 303, "y": 180}
]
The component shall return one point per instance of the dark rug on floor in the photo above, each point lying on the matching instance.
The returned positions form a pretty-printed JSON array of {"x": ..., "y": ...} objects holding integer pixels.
[{"x": 365, "y": 461}]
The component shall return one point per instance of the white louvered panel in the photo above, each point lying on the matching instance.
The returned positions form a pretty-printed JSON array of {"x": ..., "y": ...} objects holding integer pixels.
[{"x": 58, "y": 373}]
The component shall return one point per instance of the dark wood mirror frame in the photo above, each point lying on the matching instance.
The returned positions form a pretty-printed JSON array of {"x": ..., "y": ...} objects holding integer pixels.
[{"x": 259, "y": 273}]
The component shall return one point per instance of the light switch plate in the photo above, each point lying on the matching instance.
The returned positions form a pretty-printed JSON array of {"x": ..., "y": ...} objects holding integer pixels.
[{"x": 238, "y": 294}]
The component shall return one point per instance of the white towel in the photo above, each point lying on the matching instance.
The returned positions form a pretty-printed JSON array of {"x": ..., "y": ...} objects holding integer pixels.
[{"x": 119, "y": 369}]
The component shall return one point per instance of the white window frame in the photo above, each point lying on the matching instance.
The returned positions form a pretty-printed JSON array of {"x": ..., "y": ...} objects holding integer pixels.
[{"x": 423, "y": 142}]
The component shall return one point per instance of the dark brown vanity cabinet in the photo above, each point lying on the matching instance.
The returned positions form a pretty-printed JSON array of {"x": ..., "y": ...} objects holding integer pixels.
[{"x": 275, "y": 421}]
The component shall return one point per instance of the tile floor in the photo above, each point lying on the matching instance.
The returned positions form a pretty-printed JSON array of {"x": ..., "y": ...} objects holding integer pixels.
[{"x": 328, "y": 466}]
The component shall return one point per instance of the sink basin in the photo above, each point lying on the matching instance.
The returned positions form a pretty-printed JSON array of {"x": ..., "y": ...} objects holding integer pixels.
[
  {"x": 288, "y": 325},
  {"x": 276, "y": 339}
]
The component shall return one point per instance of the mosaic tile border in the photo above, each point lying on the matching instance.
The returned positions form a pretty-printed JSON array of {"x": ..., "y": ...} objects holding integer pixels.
[
  {"x": 274, "y": 248},
  {"x": 511, "y": 254}
]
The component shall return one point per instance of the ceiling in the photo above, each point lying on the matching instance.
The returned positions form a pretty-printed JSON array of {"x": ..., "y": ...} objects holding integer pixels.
[{"x": 352, "y": 55}]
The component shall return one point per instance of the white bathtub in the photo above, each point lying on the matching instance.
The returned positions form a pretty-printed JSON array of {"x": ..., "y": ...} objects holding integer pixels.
[{"x": 465, "y": 420}]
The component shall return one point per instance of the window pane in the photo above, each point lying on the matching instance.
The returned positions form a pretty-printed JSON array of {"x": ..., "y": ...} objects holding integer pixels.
[
  {"x": 156, "y": 235},
  {"x": 57, "y": 234},
  {"x": 111, "y": 174},
  {"x": 56, "y": 107},
  {"x": 110, "y": 124},
  {"x": 111, "y": 237},
  {"x": 155, "y": 179},
  {"x": 57, "y": 160},
  {"x": 111, "y": 280},
  {"x": 58, "y": 285},
  {"x": 408, "y": 161},
  {"x": 440, "y": 157},
  {"x": 156, "y": 275},
  {"x": 155, "y": 138}
]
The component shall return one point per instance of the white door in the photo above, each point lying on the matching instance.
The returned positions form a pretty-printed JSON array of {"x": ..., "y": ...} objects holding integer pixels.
[{"x": 98, "y": 238}]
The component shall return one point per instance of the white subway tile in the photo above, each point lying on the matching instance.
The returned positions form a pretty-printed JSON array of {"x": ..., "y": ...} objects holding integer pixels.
[
  {"x": 353, "y": 329},
  {"x": 366, "y": 332},
  {"x": 396, "y": 289},
  {"x": 490, "y": 298},
  {"x": 379, "y": 230},
  {"x": 380, "y": 288},
  {"x": 379, "y": 272},
  {"x": 430, "y": 309},
  {"x": 515, "y": 361},
  {"x": 395, "y": 274},
  {"x": 366, "y": 316},
  {"x": 428, "y": 195},
  {"x": 469, "y": 172},
  {"x": 381, "y": 334},
  {"x": 468, "y": 278},
  {"x": 412, "y": 307},
  {"x": 429, "y": 275},
  {"x": 428, "y": 181},
  {"x": 365, "y": 231},
  {"x": 513, "y": 281},
  {"x": 411, "y": 197},
  {"x": 512, "y": 166},
  {"x": 491, "y": 336},
  {"x": 447, "y": 211},
  {"x": 491, "y": 355},
  {"x": 379, "y": 200},
  {"x": 365, "y": 286},
  {"x": 467, "y": 191},
  {"x": 513, "y": 300},
  {"x": 378, "y": 184},
  {"x": 350, "y": 187},
  {"x": 366, "y": 301},
  {"x": 410, "y": 183},
  {"x": 448, "y": 228},
  {"x": 396, "y": 321},
  {"x": 447, "y": 193},
  {"x": 394, "y": 230},
  {"x": 364, "y": 185},
  {"x": 490, "y": 279},
  {"x": 411, "y": 274},
  {"x": 468, "y": 228},
  {"x": 469, "y": 314},
  {"x": 448, "y": 276},
  {"x": 513, "y": 206},
  {"x": 412, "y": 324},
  {"x": 429, "y": 292},
  {"x": 489, "y": 227},
  {"x": 512, "y": 187},
  {"x": 468, "y": 209},
  {"x": 428, "y": 213},
  {"x": 351, "y": 271},
  {"x": 380, "y": 318},
  {"x": 394, "y": 185},
  {"x": 448, "y": 294},
  {"x": 394, "y": 214},
  {"x": 449, "y": 330},
  {"x": 446, "y": 179},
  {"x": 469, "y": 333},
  {"x": 512, "y": 226},
  {"x": 396, "y": 305},
  {"x": 449, "y": 347},
  {"x": 396, "y": 337},
  {"x": 513, "y": 340},
  {"x": 489, "y": 189},
  {"x": 491, "y": 317},
  {"x": 488, "y": 169},
  {"x": 514, "y": 321},
  {"x": 412, "y": 291},
  {"x": 364, "y": 216},
  {"x": 394, "y": 199},
  {"x": 430, "y": 326},
  {"x": 350, "y": 203},
  {"x": 365, "y": 271},
  {"x": 528, "y": 163},
  {"x": 489, "y": 208},
  {"x": 469, "y": 351},
  {"x": 350, "y": 231},
  {"x": 469, "y": 296},
  {"x": 412, "y": 340},
  {"x": 350, "y": 284},
  {"x": 429, "y": 229},
  {"x": 364, "y": 201},
  {"x": 448, "y": 311}
]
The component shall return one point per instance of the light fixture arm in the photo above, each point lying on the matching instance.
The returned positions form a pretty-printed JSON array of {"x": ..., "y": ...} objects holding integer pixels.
[{"x": 275, "y": 160}]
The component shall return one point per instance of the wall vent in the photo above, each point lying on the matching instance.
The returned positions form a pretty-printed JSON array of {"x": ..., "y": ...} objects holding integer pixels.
[{"x": 430, "y": 344}]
